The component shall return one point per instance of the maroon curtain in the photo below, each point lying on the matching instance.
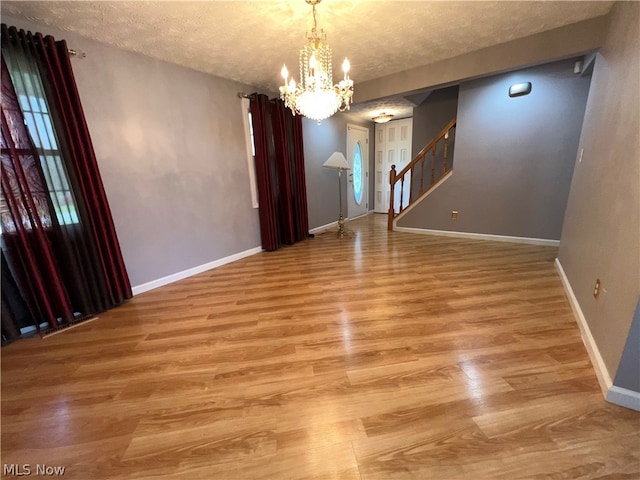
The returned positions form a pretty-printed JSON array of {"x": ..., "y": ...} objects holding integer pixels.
[
  {"x": 263, "y": 141},
  {"x": 91, "y": 269},
  {"x": 301, "y": 212},
  {"x": 286, "y": 183},
  {"x": 81, "y": 159},
  {"x": 15, "y": 312},
  {"x": 25, "y": 214},
  {"x": 279, "y": 172}
]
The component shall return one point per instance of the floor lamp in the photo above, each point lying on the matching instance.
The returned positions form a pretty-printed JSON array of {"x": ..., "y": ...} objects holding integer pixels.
[{"x": 338, "y": 162}]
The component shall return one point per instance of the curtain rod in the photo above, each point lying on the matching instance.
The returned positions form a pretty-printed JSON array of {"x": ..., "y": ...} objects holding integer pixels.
[
  {"x": 243, "y": 95},
  {"x": 76, "y": 53},
  {"x": 14, "y": 34}
]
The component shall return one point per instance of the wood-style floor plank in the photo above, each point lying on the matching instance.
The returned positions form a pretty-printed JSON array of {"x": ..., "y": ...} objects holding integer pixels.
[{"x": 381, "y": 356}]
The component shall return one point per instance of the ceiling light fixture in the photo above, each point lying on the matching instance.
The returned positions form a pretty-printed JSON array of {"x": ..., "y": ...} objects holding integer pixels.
[
  {"x": 520, "y": 89},
  {"x": 316, "y": 97},
  {"x": 382, "y": 117}
]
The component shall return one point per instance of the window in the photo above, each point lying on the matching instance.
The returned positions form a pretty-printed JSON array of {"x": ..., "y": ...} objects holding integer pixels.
[
  {"x": 357, "y": 174},
  {"x": 34, "y": 107}
]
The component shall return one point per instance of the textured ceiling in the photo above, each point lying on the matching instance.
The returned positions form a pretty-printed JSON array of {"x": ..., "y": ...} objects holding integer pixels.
[{"x": 249, "y": 41}]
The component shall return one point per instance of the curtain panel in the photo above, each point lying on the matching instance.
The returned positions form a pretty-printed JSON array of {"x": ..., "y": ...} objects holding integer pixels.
[
  {"x": 82, "y": 162},
  {"x": 26, "y": 215},
  {"x": 15, "y": 311},
  {"x": 279, "y": 172},
  {"x": 75, "y": 231}
]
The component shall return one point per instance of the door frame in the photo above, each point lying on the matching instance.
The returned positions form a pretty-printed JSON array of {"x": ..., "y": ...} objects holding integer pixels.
[{"x": 365, "y": 151}]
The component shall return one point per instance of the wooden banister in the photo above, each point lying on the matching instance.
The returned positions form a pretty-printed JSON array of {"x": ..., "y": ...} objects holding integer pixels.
[
  {"x": 392, "y": 181},
  {"x": 429, "y": 146},
  {"x": 418, "y": 162}
]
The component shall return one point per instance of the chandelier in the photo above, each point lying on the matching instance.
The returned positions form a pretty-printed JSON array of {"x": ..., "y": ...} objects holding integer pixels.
[{"x": 316, "y": 96}]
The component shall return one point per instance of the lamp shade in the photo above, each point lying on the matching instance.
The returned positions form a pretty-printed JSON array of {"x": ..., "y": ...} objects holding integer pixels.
[{"x": 337, "y": 161}]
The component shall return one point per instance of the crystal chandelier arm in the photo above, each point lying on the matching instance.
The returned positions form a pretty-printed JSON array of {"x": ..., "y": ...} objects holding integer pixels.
[{"x": 346, "y": 66}]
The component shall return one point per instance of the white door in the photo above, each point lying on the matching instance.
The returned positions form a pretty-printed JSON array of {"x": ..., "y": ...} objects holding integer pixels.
[
  {"x": 393, "y": 147},
  {"x": 358, "y": 176}
]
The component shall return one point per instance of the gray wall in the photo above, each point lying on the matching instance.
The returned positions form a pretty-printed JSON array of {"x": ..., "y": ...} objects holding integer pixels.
[
  {"x": 432, "y": 115},
  {"x": 601, "y": 232},
  {"x": 320, "y": 141},
  {"x": 170, "y": 147},
  {"x": 559, "y": 43},
  {"x": 429, "y": 118},
  {"x": 513, "y": 158}
]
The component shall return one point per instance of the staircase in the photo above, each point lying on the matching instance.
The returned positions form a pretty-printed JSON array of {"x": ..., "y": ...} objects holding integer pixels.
[{"x": 422, "y": 174}]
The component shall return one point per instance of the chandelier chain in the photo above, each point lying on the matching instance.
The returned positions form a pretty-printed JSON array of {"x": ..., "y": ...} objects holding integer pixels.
[{"x": 314, "y": 20}]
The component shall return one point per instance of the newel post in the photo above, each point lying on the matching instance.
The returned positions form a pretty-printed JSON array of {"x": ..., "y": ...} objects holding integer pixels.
[{"x": 392, "y": 182}]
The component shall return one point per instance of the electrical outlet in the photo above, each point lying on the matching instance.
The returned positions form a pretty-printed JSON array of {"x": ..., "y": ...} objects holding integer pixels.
[
  {"x": 596, "y": 289},
  {"x": 454, "y": 214}
]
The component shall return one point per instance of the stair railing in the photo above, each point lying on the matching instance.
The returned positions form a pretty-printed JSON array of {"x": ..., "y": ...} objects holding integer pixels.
[{"x": 420, "y": 163}]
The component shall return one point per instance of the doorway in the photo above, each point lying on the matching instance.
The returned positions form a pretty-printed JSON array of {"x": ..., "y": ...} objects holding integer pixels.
[{"x": 393, "y": 147}]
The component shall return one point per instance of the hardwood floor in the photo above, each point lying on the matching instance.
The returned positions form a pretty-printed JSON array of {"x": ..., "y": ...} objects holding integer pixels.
[{"x": 384, "y": 356}]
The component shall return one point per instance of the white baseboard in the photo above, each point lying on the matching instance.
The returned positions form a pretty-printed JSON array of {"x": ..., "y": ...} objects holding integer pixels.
[
  {"x": 481, "y": 236},
  {"x": 160, "y": 282},
  {"x": 604, "y": 379},
  {"x": 612, "y": 393},
  {"x": 368, "y": 212},
  {"x": 624, "y": 397},
  {"x": 322, "y": 228}
]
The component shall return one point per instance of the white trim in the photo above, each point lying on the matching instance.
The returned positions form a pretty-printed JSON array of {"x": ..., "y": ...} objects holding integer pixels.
[
  {"x": 481, "y": 236},
  {"x": 429, "y": 192},
  {"x": 160, "y": 282},
  {"x": 368, "y": 212},
  {"x": 322, "y": 228},
  {"x": 604, "y": 379},
  {"x": 624, "y": 397}
]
